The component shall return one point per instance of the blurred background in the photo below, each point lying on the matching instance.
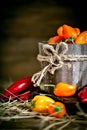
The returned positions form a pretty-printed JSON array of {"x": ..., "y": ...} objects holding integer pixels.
[{"x": 24, "y": 23}]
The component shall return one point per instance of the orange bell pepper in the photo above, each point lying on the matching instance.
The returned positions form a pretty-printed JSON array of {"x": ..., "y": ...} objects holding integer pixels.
[
  {"x": 68, "y": 31},
  {"x": 64, "y": 90},
  {"x": 82, "y": 38},
  {"x": 57, "y": 109}
]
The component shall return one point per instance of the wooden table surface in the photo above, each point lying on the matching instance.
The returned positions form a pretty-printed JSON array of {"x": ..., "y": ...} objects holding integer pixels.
[{"x": 35, "y": 124}]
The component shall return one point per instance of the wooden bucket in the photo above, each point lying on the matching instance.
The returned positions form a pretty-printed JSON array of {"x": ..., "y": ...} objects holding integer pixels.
[{"x": 76, "y": 74}]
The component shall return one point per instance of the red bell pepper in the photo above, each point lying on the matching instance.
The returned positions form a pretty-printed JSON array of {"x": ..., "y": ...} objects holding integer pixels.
[{"x": 82, "y": 94}]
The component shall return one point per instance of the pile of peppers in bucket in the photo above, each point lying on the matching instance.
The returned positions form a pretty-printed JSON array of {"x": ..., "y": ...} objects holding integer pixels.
[
  {"x": 69, "y": 35},
  {"x": 24, "y": 89}
]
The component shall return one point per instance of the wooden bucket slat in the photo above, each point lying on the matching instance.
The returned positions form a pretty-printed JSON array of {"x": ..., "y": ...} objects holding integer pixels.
[{"x": 77, "y": 74}]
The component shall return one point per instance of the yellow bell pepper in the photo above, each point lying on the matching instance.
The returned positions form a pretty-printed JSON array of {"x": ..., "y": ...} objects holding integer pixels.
[{"x": 40, "y": 103}]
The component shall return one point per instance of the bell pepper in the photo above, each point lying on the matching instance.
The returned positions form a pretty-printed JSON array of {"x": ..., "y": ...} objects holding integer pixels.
[
  {"x": 82, "y": 38},
  {"x": 82, "y": 94},
  {"x": 57, "y": 109},
  {"x": 64, "y": 90},
  {"x": 40, "y": 103},
  {"x": 68, "y": 31}
]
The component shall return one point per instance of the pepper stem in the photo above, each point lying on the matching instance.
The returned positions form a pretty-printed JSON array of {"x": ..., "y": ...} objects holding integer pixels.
[
  {"x": 47, "y": 85},
  {"x": 31, "y": 104},
  {"x": 58, "y": 109}
]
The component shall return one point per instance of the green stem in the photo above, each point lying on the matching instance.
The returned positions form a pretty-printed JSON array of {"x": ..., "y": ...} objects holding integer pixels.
[
  {"x": 47, "y": 85},
  {"x": 58, "y": 109}
]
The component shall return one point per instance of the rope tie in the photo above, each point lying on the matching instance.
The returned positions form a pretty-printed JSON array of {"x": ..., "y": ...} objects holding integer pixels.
[{"x": 55, "y": 57}]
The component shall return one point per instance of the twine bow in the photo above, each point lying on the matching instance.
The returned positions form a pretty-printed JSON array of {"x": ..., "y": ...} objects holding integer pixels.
[{"x": 55, "y": 59}]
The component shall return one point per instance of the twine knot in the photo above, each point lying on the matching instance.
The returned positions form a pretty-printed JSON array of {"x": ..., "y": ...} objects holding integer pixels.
[{"x": 55, "y": 59}]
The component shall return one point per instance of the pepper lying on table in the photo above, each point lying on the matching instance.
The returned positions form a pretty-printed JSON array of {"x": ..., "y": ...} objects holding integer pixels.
[
  {"x": 82, "y": 94},
  {"x": 20, "y": 89}
]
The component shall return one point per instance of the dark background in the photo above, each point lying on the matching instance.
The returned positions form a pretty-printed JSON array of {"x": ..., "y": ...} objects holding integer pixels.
[{"x": 24, "y": 23}]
